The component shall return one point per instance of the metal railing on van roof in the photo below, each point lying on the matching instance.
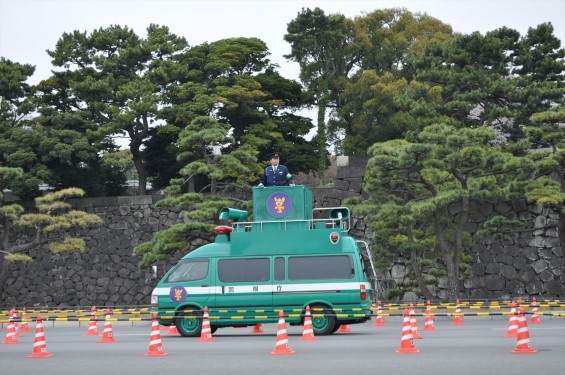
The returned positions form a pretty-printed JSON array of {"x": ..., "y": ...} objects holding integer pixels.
[{"x": 339, "y": 217}]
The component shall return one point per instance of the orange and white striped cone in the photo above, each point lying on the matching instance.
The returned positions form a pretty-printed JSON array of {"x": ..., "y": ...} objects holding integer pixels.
[
  {"x": 344, "y": 328},
  {"x": 39, "y": 346},
  {"x": 93, "y": 325},
  {"x": 257, "y": 329},
  {"x": 173, "y": 330},
  {"x": 458, "y": 321},
  {"x": 523, "y": 339},
  {"x": 281, "y": 346},
  {"x": 11, "y": 333},
  {"x": 107, "y": 334},
  {"x": 414, "y": 323},
  {"x": 155, "y": 344},
  {"x": 535, "y": 317},
  {"x": 379, "y": 322},
  {"x": 429, "y": 322},
  {"x": 23, "y": 326},
  {"x": 206, "y": 332},
  {"x": 406, "y": 340},
  {"x": 14, "y": 316},
  {"x": 308, "y": 331},
  {"x": 512, "y": 322}
]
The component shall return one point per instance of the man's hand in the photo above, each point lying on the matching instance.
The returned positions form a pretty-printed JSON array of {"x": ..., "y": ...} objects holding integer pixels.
[{"x": 291, "y": 185}]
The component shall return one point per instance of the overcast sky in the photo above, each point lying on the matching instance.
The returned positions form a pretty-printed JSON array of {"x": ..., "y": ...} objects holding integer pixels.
[{"x": 29, "y": 27}]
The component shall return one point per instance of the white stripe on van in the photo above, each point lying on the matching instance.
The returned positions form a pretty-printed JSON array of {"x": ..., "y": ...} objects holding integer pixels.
[{"x": 276, "y": 288}]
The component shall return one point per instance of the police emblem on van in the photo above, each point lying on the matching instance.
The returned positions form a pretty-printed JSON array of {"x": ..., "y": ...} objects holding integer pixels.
[
  {"x": 178, "y": 294},
  {"x": 279, "y": 204}
]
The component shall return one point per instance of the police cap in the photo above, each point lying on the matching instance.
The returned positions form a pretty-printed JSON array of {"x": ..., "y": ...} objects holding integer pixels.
[{"x": 274, "y": 155}]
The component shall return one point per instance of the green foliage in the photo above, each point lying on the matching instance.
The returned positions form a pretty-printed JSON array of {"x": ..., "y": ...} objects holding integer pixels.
[
  {"x": 394, "y": 293},
  {"x": 52, "y": 218},
  {"x": 68, "y": 245},
  {"x": 18, "y": 258}
]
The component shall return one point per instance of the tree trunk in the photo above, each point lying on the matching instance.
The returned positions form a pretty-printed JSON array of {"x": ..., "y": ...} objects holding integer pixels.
[
  {"x": 416, "y": 267},
  {"x": 561, "y": 234},
  {"x": 3, "y": 278},
  {"x": 322, "y": 105},
  {"x": 134, "y": 147},
  {"x": 452, "y": 274}
]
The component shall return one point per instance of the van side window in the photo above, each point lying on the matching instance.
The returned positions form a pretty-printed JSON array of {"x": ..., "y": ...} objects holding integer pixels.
[
  {"x": 320, "y": 267},
  {"x": 243, "y": 270},
  {"x": 279, "y": 269},
  {"x": 190, "y": 270}
]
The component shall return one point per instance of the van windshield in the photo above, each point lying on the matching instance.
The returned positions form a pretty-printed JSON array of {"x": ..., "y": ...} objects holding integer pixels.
[{"x": 189, "y": 270}]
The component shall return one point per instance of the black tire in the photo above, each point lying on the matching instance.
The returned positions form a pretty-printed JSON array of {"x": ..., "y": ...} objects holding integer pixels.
[
  {"x": 336, "y": 327},
  {"x": 189, "y": 324},
  {"x": 322, "y": 325}
]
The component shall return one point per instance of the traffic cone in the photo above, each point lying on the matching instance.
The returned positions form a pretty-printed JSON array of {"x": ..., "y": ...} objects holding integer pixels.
[
  {"x": 155, "y": 345},
  {"x": 173, "y": 330},
  {"x": 380, "y": 321},
  {"x": 523, "y": 339},
  {"x": 344, "y": 328},
  {"x": 107, "y": 335},
  {"x": 14, "y": 319},
  {"x": 308, "y": 331},
  {"x": 206, "y": 332},
  {"x": 39, "y": 346},
  {"x": 429, "y": 322},
  {"x": 281, "y": 346},
  {"x": 414, "y": 323},
  {"x": 93, "y": 325},
  {"x": 406, "y": 340},
  {"x": 458, "y": 321},
  {"x": 535, "y": 317},
  {"x": 11, "y": 333},
  {"x": 24, "y": 327},
  {"x": 512, "y": 322},
  {"x": 257, "y": 328}
]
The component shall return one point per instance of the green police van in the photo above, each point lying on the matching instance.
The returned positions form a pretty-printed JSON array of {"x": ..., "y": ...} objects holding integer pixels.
[{"x": 291, "y": 256}]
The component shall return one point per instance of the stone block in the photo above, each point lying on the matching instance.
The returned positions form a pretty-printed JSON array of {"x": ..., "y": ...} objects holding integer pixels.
[
  {"x": 494, "y": 282},
  {"x": 539, "y": 265},
  {"x": 516, "y": 287},
  {"x": 546, "y": 275},
  {"x": 555, "y": 288},
  {"x": 478, "y": 269},
  {"x": 341, "y": 185},
  {"x": 535, "y": 287},
  {"x": 530, "y": 253},
  {"x": 492, "y": 268},
  {"x": 509, "y": 272}
]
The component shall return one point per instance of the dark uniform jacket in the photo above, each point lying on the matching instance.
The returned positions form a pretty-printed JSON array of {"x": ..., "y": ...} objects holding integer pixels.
[{"x": 278, "y": 177}]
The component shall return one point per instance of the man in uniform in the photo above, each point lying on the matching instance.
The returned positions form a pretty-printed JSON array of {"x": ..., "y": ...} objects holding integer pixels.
[{"x": 276, "y": 174}]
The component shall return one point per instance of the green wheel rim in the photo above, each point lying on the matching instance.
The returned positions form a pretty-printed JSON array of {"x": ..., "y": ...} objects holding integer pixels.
[
  {"x": 190, "y": 324},
  {"x": 320, "y": 323}
]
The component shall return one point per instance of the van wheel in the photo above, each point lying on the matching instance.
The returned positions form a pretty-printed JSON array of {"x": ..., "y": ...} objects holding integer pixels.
[
  {"x": 322, "y": 325},
  {"x": 189, "y": 324}
]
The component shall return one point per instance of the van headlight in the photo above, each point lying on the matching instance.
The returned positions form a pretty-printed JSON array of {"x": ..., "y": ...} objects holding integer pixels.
[{"x": 154, "y": 300}]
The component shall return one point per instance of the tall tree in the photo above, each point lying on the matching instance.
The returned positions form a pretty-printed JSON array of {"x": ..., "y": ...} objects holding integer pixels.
[
  {"x": 443, "y": 168},
  {"x": 322, "y": 45},
  {"x": 118, "y": 79}
]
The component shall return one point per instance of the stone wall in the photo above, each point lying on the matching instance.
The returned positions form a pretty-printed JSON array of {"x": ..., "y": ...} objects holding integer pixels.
[
  {"x": 107, "y": 272},
  {"x": 531, "y": 263}
]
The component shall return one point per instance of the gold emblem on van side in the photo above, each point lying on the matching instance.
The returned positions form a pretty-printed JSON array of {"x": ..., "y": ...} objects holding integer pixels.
[
  {"x": 178, "y": 294},
  {"x": 279, "y": 204}
]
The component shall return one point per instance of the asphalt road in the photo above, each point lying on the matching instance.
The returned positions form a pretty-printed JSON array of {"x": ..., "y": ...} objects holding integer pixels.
[{"x": 478, "y": 347}]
